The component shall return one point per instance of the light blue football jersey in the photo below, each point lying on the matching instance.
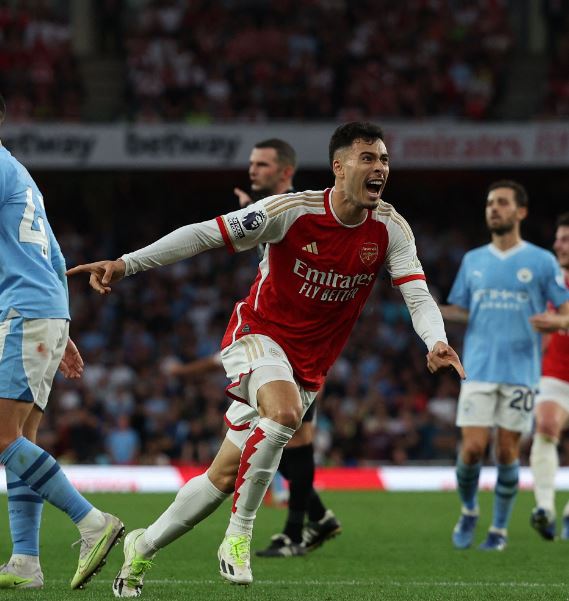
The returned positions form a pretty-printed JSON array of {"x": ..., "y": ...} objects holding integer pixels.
[
  {"x": 501, "y": 290},
  {"x": 32, "y": 268}
]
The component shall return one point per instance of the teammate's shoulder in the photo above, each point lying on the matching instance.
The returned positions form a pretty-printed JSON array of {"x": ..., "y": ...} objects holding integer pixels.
[{"x": 281, "y": 203}]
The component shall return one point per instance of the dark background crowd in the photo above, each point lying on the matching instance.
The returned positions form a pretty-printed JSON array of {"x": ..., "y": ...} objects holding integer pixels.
[{"x": 206, "y": 61}]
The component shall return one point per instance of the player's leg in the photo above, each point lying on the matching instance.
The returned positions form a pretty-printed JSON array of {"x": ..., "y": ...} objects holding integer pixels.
[
  {"x": 475, "y": 417},
  {"x": 297, "y": 466},
  {"x": 32, "y": 351},
  {"x": 322, "y": 524},
  {"x": 551, "y": 413},
  {"x": 280, "y": 411},
  {"x": 514, "y": 416},
  {"x": 23, "y": 569},
  {"x": 195, "y": 501},
  {"x": 506, "y": 489},
  {"x": 468, "y": 465}
]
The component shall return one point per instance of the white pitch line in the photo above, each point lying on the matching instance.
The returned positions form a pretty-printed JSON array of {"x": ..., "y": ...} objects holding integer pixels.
[{"x": 376, "y": 583}]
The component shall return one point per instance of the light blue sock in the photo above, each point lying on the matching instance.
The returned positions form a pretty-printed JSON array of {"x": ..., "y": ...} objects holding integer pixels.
[
  {"x": 467, "y": 483},
  {"x": 24, "y": 510},
  {"x": 505, "y": 494},
  {"x": 41, "y": 472}
]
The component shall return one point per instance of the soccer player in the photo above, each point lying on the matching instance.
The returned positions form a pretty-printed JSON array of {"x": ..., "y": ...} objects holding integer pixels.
[
  {"x": 552, "y": 403},
  {"x": 498, "y": 287},
  {"x": 34, "y": 342},
  {"x": 324, "y": 250},
  {"x": 272, "y": 165}
]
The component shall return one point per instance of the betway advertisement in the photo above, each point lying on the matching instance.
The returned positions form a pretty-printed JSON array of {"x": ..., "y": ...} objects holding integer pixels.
[{"x": 437, "y": 145}]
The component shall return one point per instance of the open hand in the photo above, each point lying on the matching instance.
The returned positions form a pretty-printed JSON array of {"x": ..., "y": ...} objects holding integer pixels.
[{"x": 71, "y": 365}]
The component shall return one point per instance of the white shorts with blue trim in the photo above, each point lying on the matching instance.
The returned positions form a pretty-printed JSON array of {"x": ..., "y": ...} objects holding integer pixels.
[
  {"x": 251, "y": 362},
  {"x": 489, "y": 404},
  {"x": 30, "y": 353}
]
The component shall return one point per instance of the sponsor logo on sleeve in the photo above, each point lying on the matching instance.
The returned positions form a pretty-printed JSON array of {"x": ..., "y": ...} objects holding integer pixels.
[
  {"x": 253, "y": 220},
  {"x": 369, "y": 253},
  {"x": 236, "y": 227}
]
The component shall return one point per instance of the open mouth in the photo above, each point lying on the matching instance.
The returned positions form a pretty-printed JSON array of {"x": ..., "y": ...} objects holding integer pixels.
[{"x": 373, "y": 186}]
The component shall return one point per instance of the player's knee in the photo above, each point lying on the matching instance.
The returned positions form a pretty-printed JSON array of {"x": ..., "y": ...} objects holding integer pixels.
[
  {"x": 506, "y": 455},
  {"x": 548, "y": 426},
  {"x": 223, "y": 480},
  {"x": 289, "y": 416},
  {"x": 6, "y": 439},
  {"x": 472, "y": 452}
]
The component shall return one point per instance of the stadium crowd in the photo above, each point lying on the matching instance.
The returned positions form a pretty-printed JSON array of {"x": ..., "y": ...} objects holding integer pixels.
[
  {"x": 218, "y": 60},
  {"x": 39, "y": 73},
  {"x": 214, "y": 61},
  {"x": 314, "y": 60}
]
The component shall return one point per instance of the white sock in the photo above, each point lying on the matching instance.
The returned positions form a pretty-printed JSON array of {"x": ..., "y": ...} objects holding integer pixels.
[
  {"x": 544, "y": 462},
  {"x": 197, "y": 499},
  {"x": 92, "y": 522},
  {"x": 28, "y": 563},
  {"x": 259, "y": 461}
]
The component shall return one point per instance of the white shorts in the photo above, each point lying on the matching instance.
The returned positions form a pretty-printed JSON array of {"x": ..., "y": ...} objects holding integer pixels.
[
  {"x": 553, "y": 389},
  {"x": 489, "y": 404},
  {"x": 251, "y": 362},
  {"x": 30, "y": 353}
]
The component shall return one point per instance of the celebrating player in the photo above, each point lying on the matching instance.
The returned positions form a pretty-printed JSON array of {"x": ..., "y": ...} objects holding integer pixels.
[
  {"x": 498, "y": 287},
  {"x": 34, "y": 342},
  {"x": 323, "y": 253},
  {"x": 552, "y": 403},
  {"x": 272, "y": 166}
]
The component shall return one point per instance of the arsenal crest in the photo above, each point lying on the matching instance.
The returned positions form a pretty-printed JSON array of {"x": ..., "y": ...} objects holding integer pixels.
[{"x": 369, "y": 253}]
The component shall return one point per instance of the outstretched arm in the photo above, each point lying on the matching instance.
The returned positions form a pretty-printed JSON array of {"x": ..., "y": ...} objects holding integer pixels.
[
  {"x": 551, "y": 322},
  {"x": 180, "y": 244},
  {"x": 429, "y": 325},
  {"x": 194, "y": 368},
  {"x": 454, "y": 313}
]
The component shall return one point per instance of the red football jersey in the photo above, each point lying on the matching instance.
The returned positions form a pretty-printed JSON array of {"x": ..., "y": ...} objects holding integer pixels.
[
  {"x": 556, "y": 356},
  {"x": 316, "y": 273}
]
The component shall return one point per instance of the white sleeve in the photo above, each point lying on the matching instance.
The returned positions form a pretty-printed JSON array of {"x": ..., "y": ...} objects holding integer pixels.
[
  {"x": 425, "y": 313},
  {"x": 180, "y": 244},
  {"x": 268, "y": 220},
  {"x": 401, "y": 258}
]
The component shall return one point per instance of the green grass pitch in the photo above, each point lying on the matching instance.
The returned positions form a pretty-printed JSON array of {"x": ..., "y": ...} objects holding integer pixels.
[{"x": 395, "y": 546}]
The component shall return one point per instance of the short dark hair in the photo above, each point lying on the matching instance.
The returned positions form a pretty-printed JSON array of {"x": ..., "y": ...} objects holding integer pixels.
[
  {"x": 286, "y": 155},
  {"x": 562, "y": 220},
  {"x": 2, "y": 108},
  {"x": 520, "y": 193},
  {"x": 347, "y": 133}
]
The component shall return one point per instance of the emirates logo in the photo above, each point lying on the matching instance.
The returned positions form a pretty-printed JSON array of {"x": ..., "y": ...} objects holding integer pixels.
[{"x": 369, "y": 253}]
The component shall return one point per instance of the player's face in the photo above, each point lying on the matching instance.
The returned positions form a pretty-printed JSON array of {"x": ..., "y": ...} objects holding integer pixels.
[
  {"x": 365, "y": 171},
  {"x": 265, "y": 172},
  {"x": 561, "y": 245},
  {"x": 502, "y": 211}
]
